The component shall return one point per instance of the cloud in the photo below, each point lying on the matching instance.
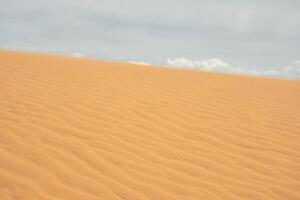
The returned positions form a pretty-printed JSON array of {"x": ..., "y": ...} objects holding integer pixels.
[
  {"x": 77, "y": 54},
  {"x": 217, "y": 65},
  {"x": 138, "y": 63},
  {"x": 214, "y": 64},
  {"x": 293, "y": 70}
]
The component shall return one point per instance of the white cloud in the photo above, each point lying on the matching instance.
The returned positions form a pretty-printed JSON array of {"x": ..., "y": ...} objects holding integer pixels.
[
  {"x": 138, "y": 63},
  {"x": 78, "y": 54},
  {"x": 214, "y": 64},
  {"x": 217, "y": 65},
  {"x": 293, "y": 70}
]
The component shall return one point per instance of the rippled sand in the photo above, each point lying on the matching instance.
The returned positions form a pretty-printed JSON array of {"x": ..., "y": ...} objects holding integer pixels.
[{"x": 75, "y": 128}]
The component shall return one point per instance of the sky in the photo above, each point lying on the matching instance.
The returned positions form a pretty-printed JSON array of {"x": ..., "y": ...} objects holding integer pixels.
[{"x": 240, "y": 36}]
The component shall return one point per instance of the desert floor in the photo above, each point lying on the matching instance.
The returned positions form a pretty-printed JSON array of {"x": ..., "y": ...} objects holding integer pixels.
[{"x": 73, "y": 128}]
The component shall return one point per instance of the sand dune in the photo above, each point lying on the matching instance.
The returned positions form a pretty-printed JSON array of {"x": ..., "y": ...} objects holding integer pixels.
[{"x": 75, "y": 128}]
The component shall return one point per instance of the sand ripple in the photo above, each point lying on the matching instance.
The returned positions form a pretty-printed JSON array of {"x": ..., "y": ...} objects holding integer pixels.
[{"x": 81, "y": 129}]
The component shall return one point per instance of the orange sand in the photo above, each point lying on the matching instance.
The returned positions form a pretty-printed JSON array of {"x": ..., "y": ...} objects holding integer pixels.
[{"x": 75, "y": 128}]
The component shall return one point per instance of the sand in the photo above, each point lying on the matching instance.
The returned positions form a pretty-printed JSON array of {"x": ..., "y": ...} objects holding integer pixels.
[{"x": 73, "y": 128}]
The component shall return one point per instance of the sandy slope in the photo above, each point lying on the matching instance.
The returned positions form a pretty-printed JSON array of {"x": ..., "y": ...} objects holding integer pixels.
[{"x": 80, "y": 129}]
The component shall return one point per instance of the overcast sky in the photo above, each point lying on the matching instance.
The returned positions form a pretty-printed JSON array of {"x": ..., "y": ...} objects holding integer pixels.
[{"x": 259, "y": 35}]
